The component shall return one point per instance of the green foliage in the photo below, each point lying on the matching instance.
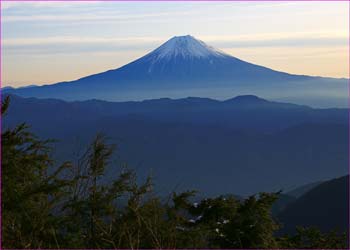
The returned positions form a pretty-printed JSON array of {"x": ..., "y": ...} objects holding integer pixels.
[
  {"x": 230, "y": 223},
  {"x": 314, "y": 238},
  {"x": 72, "y": 208},
  {"x": 29, "y": 193},
  {"x": 249, "y": 225}
]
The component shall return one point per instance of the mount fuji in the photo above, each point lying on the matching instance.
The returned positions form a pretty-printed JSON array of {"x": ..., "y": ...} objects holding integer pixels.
[{"x": 184, "y": 66}]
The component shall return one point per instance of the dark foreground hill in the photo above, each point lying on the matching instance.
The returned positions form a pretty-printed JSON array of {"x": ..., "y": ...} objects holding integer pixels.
[
  {"x": 326, "y": 207},
  {"x": 242, "y": 146},
  {"x": 299, "y": 191}
]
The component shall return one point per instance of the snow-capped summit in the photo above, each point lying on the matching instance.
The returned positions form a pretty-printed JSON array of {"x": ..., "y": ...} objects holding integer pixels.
[
  {"x": 186, "y": 47},
  {"x": 182, "y": 56}
]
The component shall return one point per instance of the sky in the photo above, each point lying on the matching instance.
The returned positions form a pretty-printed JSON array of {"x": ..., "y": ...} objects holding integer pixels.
[{"x": 49, "y": 42}]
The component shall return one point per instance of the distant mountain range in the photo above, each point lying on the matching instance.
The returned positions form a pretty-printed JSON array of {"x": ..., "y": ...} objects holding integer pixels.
[
  {"x": 242, "y": 145},
  {"x": 185, "y": 66}
]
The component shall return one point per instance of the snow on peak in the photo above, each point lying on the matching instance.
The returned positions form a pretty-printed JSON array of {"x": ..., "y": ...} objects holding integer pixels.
[{"x": 186, "y": 47}]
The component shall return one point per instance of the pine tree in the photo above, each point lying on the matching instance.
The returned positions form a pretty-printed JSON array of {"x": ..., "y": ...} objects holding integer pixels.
[{"x": 28, "y": 192}]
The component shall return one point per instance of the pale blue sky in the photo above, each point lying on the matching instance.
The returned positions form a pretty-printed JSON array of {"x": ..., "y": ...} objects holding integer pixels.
[{"x": 47, "y": 42}]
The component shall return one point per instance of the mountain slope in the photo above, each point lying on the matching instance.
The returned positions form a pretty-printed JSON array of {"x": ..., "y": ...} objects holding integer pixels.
[
  {"x": 326, "y": 206},
  {"x": 185, "y": 66},
  {"x": 299, "y": 191}
]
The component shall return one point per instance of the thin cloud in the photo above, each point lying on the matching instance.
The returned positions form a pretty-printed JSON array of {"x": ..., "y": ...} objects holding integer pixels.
[
  {"x": 76, "y": 40},
  {"x": 40, "y": 4},
  {"x": 87, "y": 17},
  {"x": 267, "y": 39}
]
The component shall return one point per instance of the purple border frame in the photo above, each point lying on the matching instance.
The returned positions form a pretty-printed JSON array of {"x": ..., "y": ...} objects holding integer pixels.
[{"x": 1, "y": 65}]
